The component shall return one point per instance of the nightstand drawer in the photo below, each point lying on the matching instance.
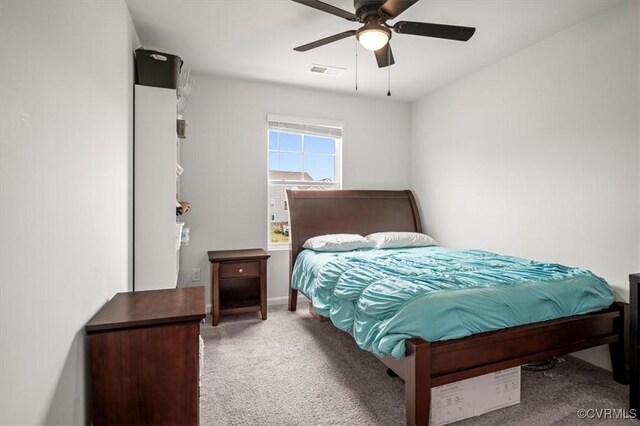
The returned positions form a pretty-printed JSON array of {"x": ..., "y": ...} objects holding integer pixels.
[{"x": 239, "y": 269}]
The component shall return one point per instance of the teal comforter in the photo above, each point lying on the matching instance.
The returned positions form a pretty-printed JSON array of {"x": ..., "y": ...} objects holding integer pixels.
[{"x": 383, "y": 297}]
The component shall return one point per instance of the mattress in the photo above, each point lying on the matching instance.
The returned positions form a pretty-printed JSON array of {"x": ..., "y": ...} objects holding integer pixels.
[{"x": 383, "y": 297}]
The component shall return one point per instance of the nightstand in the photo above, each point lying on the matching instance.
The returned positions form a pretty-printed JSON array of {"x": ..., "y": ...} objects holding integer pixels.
[{"x": 238, "y": 282}]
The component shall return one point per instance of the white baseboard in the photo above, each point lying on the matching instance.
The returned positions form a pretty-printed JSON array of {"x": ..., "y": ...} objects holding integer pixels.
[
  {"x": 284, "y": 300},
  {"x": 272, "y": 301}
]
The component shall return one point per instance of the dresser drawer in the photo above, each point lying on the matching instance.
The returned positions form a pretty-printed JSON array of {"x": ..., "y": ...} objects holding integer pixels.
[{"x": 239, "y": 270}]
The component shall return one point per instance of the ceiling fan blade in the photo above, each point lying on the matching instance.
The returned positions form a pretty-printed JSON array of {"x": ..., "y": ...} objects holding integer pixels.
[
  {"x": 324, "y": 41},
  {"x": 392, "y": 8},
  {"x": 450, "y": 32},
  {"x": 329, "y": 9},
  {"x": 384, "y": 56}
]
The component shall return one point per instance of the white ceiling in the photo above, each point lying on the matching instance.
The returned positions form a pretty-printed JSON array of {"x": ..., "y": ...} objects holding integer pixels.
[{"x": 254, "y": 39}]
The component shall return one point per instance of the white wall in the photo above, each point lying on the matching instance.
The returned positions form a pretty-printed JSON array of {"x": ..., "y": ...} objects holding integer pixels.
[
  {"x": 225, "y": 161},
  {"x": 537, "y": 155},
  {"x": 66, "y": 141}
]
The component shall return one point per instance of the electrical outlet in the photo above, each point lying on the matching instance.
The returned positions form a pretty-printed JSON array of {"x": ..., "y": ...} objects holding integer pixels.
[{"x": 195, "y": 274}]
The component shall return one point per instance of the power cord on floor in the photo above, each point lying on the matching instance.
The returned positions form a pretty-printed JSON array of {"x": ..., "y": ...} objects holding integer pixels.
[{"x": 545, "y": 365}]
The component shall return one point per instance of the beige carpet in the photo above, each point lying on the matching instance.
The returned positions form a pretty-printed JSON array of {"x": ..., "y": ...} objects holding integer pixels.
[{"x": 293, "y": 370}]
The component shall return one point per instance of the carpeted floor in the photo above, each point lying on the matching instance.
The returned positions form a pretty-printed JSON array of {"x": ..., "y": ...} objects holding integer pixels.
[{"x": 293, "y": 370}]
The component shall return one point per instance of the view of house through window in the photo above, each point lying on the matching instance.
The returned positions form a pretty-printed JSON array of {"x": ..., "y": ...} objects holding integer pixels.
[{"x": 300, "y": 157}]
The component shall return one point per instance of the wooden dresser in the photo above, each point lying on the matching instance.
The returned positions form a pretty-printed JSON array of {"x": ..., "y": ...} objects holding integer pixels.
[{"x": 145, "y": 358}]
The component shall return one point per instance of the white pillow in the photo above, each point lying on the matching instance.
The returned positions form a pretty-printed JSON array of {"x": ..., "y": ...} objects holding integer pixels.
[
  {"x": 400, "y": 239},
  {"x": 338, "y": 242}
]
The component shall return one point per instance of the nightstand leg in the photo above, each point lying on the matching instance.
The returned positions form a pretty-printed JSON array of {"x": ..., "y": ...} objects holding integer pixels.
[
  {"x": 215, "y": 293},
  {"x": 263, "y": 289}
]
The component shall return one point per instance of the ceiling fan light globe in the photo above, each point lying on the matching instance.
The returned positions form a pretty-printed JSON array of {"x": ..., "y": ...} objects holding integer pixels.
[{"x": 373, "y": 39}]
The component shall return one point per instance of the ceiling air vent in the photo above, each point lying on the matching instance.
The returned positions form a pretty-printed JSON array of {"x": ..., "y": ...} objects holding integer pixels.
[{"x": 326, "y": 70}]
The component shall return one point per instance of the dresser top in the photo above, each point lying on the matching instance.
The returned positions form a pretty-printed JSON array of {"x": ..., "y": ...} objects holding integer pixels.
[
  {"x": 148, "y": 308},
  {"x": 233, "y": 255}
]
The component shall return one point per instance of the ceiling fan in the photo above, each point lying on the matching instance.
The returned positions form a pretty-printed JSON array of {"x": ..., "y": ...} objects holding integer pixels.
[{"x": 375, "y": 34}]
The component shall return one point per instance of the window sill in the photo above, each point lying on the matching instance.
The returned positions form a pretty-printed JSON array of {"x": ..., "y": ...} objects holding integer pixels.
[{"x": 278, "y": 248}]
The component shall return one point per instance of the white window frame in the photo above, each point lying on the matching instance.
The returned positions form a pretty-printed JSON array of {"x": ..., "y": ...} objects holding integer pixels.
[{"x": 337, "y": 184}]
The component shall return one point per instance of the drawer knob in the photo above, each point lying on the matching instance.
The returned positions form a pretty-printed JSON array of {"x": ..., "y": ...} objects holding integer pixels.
[{"x": 240, "y": 270}]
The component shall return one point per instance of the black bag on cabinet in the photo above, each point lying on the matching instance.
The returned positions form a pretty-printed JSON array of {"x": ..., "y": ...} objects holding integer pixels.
[{"x": 157, "y": 69}]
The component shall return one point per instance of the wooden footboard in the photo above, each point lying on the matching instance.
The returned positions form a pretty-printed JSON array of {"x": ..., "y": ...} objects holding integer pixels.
[{"x": 428, "y": 365}]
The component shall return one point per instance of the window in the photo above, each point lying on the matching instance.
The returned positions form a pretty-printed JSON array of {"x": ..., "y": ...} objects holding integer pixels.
[{"x": 303, "y": 154}]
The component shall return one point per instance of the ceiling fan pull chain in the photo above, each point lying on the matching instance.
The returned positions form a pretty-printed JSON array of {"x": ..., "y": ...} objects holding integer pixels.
[
  {"x": 389, "y": 71},
  {"x": 356, "y": 65}
]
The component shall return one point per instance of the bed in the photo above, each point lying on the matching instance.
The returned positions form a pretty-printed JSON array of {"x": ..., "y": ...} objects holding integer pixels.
[{"x": 424, "y": 363}]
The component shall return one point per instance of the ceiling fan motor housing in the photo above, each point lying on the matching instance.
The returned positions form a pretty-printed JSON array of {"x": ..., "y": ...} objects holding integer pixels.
[{"x": 366, "y": 8}]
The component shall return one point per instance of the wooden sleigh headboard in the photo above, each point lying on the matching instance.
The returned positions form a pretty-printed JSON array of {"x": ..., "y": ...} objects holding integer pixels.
[{"x": 313, "y": 213}]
